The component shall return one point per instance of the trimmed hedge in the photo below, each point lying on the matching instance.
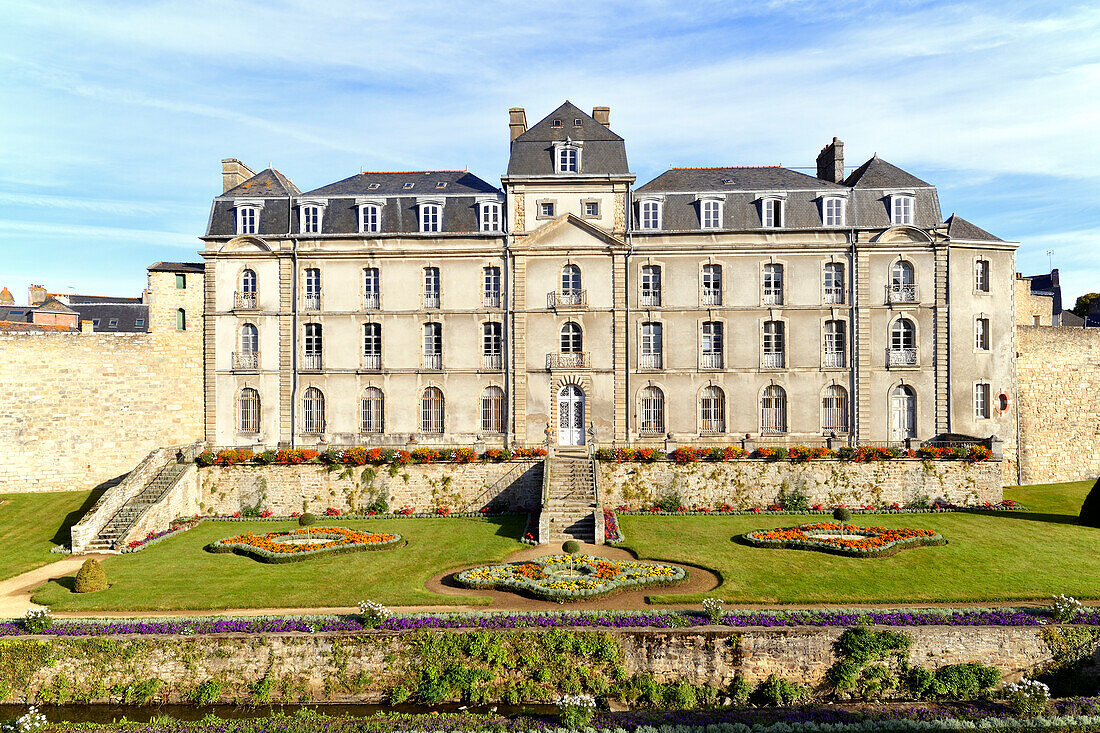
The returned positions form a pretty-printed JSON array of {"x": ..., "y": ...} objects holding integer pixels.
[{"x": 276, "y": 558}]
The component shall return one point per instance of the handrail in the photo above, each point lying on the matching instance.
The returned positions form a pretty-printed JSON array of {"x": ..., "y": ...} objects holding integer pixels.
[
  {"x": 544, "y": 519},
  {"x": 521, "y": 467},
  {"x": 179, "y": 468},
  {"x": 111, "y": 502}
]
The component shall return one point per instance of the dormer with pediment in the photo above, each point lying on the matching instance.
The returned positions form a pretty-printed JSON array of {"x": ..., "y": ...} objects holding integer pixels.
[{"x": 569, "y": 162}]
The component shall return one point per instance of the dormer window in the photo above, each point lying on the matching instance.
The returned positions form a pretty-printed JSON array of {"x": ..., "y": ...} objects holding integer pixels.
[
  {"x": 311, "y": 214},
  {"x": 567, "y": 156},
  {"x": 901, "y": 208},
  {"x": 370, "y": 217},
  {"x": 832, "y": 211},
  {"x": 489, "y": 216},
  {"x": 771, "y": 211},
  {"x": 578, "y": 122},
  {"x": 431, "y": 217},
  {"x": 710, "y": 213},
  {"x": 555, "y": 123},
  {"x": 649, "y": 214},
  {"x": 248, "y": 217}
]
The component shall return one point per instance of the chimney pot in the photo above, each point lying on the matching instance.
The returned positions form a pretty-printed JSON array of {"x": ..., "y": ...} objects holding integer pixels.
[
  {"x": 234, "y": 173},
  {"x": 517, "y": 122},
  {"x": 602, "y": 115},
  {"x": 830, "y": 162},
  {"x": 36, "y": 295}
]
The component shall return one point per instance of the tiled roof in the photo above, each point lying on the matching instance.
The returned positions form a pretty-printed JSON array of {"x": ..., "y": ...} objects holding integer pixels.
[
  {"x": 877, "y": 173},
  {"x": 18, "y": 327},
  {"x": 83, "y": 299},
  {"x": 196, "y": 267},
  {"x": 960, "y": 229},
  {"x": 757, "y": 178},
  {"x": 397, "y": 183},
  {"x": 125, "y": 316},
  {"x": 268, "y": 182}
]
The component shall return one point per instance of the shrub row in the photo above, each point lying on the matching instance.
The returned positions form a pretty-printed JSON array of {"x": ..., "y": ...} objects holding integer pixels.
[
  {"x": 796, "y": 454},
  {"x": 675, "y": 508},
  {"x": 360, "y": 456}
]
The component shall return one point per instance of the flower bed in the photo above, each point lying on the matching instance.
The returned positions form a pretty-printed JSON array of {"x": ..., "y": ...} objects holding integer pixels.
[
  {"x": 612, "y": 533},
  {"x": 280, "y": 547},
  {"x": 820, "y": 509},
  {"x": 795, "y": 454},
  {"x": 844, "y": 539},
  {"x": 360, "y": 456},
  {"x": 571, "y": 578}
]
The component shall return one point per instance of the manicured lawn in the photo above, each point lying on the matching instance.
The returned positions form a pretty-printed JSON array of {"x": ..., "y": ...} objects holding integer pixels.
[
  {"x": 30, "y": 524},
  {"x": 998, "y": 556},
  {"x": 178, "y": 574}
]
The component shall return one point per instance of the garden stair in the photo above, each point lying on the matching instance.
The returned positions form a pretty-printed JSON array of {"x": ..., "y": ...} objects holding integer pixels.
[
  {"x": 571, "y": 504},
  {"x": 117, "y": 527}
]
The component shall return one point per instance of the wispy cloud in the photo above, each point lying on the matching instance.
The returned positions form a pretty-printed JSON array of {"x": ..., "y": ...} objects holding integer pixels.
[{"x": 21, "y": 229}]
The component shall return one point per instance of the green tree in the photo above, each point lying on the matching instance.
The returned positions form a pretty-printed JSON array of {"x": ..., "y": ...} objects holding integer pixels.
[{"x": 1081, "y": 308}]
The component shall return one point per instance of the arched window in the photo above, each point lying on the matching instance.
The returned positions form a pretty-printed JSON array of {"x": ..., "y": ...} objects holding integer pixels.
[
  {"x": 313, "y": 411},
  {"x": 250, "y": 339},
  {"x": 570, "y": 279},
  {"x": 652, "y": 411},
  {"x": 834, "y": 409},
  {"x": 902, "y": 273},
  {"x": 492, "y": 410},
  {"x": 773, "y": 410},
  {"x": 712, "y": 410},
  {"x": 248, "y": 282},
  {"x": 572, "y": 341},
  {"x": 431, "y": 411},
  {"x": 181, "y": 319},
  {"x": 903, "y": 283},
  {"x": 249, "y": 411},
  {"x": 903, "y": 413},
  {"x": 903, "y": 343},
  {"x": 372, "y": 413}
]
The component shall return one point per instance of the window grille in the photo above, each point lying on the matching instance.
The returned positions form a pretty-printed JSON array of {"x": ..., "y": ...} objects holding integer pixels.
[
  {"x": 712, "y": 410},
  {"x": 773, "y": 410},
  {"x": 834, "y": 409},
  {"x": 249, "y": 414},
  {"x": 492, "y": 410},
  {"x": 653, "y": 411},
  {"x": 313, "y": 411},
  {"x": 372, "y": 411},
  {"x": 431, "y": 411}
]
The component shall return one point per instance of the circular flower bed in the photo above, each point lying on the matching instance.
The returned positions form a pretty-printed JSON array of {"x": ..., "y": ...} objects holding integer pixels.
[
  {"x": 303, "y": 544},
  {"x": 571, "y": 578},
  {"x": 844, "y": 539}
]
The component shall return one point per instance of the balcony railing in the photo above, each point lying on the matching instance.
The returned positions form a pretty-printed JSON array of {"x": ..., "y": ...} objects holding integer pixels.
[
  {"x": 244, "y": 301},
  {"x": 902, "y": 293},
  {"x": 492, "y": 362},
  {"x": 833, "y": 359},
  {"x": 902, "y": 357},
  {"x": 490, "y": 299},
  {"x": 311, "y": 301},
  {"x": 372, "y": 301},
  {"x": 712, "y": 297},
  {"x": 568, "y": 360},
  {"x": 773, "y": 297},
  {"x": 834, "y": 296},
  {"x": 650, "y": 361},
  {"x": 311, "y": 362},
  {"x": 710, "y": 360},
  {"x": 372, "y": 361},
  {"x": 433, "y": 361},
  {"x": 773, "y": 361},
  {"x": 567, "y": 299},
  {"x": 651, "y": 299},
  {"x": 246, "y": 360}
]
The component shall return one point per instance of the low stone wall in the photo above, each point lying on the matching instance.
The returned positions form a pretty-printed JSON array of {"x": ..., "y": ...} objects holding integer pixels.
[
  {"x": 422, "y": 487},
  {"x": 366, "y": 667},
  {"x": 744, "y": 484}
]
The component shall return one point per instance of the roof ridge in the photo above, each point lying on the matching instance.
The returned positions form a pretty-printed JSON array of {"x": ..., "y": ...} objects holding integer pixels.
[
  {"x": 719, "y": 167},
  {"x": 440, "y": 170}
]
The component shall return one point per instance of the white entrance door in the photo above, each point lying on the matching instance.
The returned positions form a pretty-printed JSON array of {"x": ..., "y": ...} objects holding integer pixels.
[
  {"x": 570, "y": 415},
  {"x": 903, "y": 414}
]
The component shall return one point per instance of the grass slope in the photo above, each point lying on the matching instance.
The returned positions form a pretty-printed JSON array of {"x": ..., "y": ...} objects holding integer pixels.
[
  {"x": 178, "y": 574},
  {"x": 999, "y": 556},
  {"x": 30, "y": 524}
]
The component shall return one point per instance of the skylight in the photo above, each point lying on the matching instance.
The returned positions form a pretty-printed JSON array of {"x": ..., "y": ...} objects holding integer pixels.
[
  {"x": 374, "y": 186},
  {"x": 408, "y": 186}
]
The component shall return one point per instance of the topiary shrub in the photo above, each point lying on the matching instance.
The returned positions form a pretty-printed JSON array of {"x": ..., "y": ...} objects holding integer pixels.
[
  {"x": 307, "y": 520},
  {"x": 571, "y": 547},
  {"x": 842, "y": 514},
  {"x": 1090, "y": 510},
  {"x": 90, "y": 578}
]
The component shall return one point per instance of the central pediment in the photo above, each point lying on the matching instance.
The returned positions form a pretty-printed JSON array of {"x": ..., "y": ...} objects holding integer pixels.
[{"x": 569, "y": 230}]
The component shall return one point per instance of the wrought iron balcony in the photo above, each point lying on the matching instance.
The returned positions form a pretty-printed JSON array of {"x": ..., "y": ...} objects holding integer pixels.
[
  {"x": 567, "y": 299},
  {"x": 492, "y": 362},
  {"x": 650, "y": 361},
  {"x": 650, "y": 299},
  {"x": 710, "y": 360},
  {"x": 712, "y": 297},
  {"x": 372, "y": 362},
  {"x": 311, "y": 301},
  {"x": 372, "y": 301},
  {"x": 773, "y": 360},
  {"x": 902, "y": 293},
  {"x": 431, "y": 300},
  {"x": 833, "y": 359},
  {"x": 773, "y": 297},
  {"x": 902, "y": 357},
  {"x": 490, "y": 299},
  {"x": 245, "y": 360},
  {"x": 834, "y": 296},
  {"x": 244, "y": 301},
  {"x": 433, "y": 361},
  {"x": 568, "y": 360},
  {"x": 311, "y": 362}
]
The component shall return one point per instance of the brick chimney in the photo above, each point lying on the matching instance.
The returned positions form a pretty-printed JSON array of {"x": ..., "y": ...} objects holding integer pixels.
[
  {"x": 234, "y": 173},
  {"x": 517, "y": 122},
  {"x": 36, "y": 295},
  {"x": 602, "y": 115},
  {"x": 6, "y": 297},
  {"x": 830, "y": 162}
]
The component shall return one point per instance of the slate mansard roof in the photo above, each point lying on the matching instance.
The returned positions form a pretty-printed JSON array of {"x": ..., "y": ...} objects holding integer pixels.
[
  {"x": 603, "y": 153},
  {"x": 127, "y": 317},
  {"x": 399, "y": 194},
  {"x": 865, "y": 193}
]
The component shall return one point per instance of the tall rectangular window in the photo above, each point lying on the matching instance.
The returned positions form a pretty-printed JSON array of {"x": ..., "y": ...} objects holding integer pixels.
[
  {"x": 650, "y": 214},
  {"x": 833, "y": 212},
  {"x": 772, "y": 212},
  {"x": 490, "y": 294},
  {"x": 981, "y": 276},
  {"x": 372, "y": 345},
  {"x": 372, "y": 285},
  {"x": 773, "y": 284},
  {"x": 711, "y": 214},
  {"x": 490, "y": 217},
  {"x": 774, "y": 347},
  {"x": 567, "y": 160},
  {"x": 181, "y": 282},
  {"x": 248, "y": 220},
  {"x": 431, "y": 217},
  {"x": 311, "y": 219},
  {"x": 712, "y": 285},
  {"x": 834, "y": 283},
  {"x": 981, "y": 401},
  {"x": 313, "y": 346},
  {"x": 652, "y": 346},
  {"x": 712, "y": 354},
  {"x": 981, "y": 334},
  {"x": 492, "y": 346},
  {"x": 651, "y": 286},
  {"x": 901, "y": 209},
  {"x": 835, "y": 344},
  {"x": 312, "y": 289},
  {"x": 431, "y": 287},
  {"x": 370, "y": 219},
  {"x": 433, "y": 345}
]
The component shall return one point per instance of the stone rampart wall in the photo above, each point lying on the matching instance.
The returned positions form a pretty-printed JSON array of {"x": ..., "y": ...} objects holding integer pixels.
[
  {"x": 1058, "y": 377},
  {"x": 745, "y": 484},
  {"x": 362, "y": 668}
]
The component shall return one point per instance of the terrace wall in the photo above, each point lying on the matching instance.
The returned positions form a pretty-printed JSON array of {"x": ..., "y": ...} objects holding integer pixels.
[
  {"x": 745, "y": 484},
  {"x": 361, "y": 668}
]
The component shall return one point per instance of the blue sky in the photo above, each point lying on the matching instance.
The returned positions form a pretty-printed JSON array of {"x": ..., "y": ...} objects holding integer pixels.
[{"x": 114, "y": 116}]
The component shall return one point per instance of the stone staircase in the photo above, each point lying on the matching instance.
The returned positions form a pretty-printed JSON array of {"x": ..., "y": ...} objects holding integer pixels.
[
  {"x": 117, "y": 527},
  {"x": 572, "y": 499}
]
